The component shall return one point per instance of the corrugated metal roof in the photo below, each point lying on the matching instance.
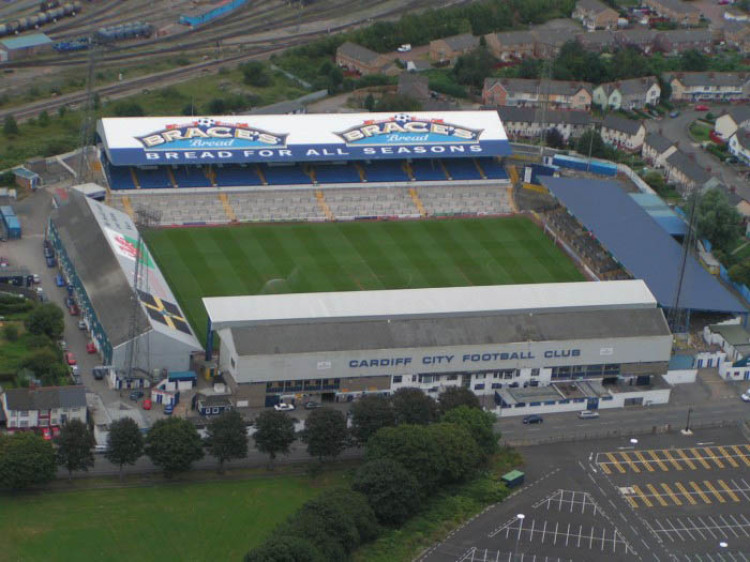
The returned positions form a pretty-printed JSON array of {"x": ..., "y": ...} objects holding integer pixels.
[
  {"x": 641, "y": 245},
  {"x": 425, "y": 303},
  {"x": 26, "y": 41}
]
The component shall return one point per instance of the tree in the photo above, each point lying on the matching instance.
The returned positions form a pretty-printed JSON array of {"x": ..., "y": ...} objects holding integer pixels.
[
  {"x": 325, "y": 433},
  {"x": 591, "y": 143},
  {"x": 285, "y": 549},
  {"x": 47, "y": 319},
  {"x": 412, "y": 406},
  {"x": 655, "y": 180},
  {"x": 124, "y": 443},
  {"x": 455, "y": 396},
  {"x": 274, "y": 433},
  {"x": 693, "y": 60},
  {"x": 369, "y": 103},
  {"x": 369, "y": 414},
  {"x": 10, "y": 332},
  {"x": 471, "y": 69},
  {"x": 128, "y": 109},
  {"x": 26, "y": 460},
  {"x": 717, "y": 220},
  {"x": 227, "y": 437},
  {"x": 174, "y": 445},
  {"x": 740, "y": 272},
  {"x": 554, "y": 139},
  {"x": 480, "y": 425},
  {"x": 10, "y": 127},
  {"x": 254, "y": 73},
  {"x": 45, "y": 364},
  {"x": 43, "y": 118},
  {"x": 460, "y": 453},
  {"x": 75, "y": 447},
  {"x": 397, "y": 102},
  {"x": 392, "y": 491}
]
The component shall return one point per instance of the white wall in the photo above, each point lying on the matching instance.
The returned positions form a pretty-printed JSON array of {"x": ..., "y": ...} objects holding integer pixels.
[{"x": 681, "y": 376}]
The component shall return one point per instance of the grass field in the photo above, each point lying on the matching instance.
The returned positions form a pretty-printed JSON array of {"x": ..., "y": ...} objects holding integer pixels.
[
  {"x": 284, "y": 258},
  {"x": 197, "y": 521}
]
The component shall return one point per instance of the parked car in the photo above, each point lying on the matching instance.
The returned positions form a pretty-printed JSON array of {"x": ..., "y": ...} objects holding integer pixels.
[
  {"x": 588, "y": 414},
  {"x": 701, "y": 107},
  {"x": 405, "y": 48},
  {"x": 674, "y": 114},
  {"x": 90, "y": 348},
  {"x": 4, "y": 262},
  {"x": 533, "y": 418},
  {"x": 99, "y": 372},
  {"x": 137, "y": 395},
  {"x": 81, "y": 325},
  {"x": 63, "y": 345},
  {"x": 59, "y": 280},
  {"x": 70, "y": 359},
  {"x": 311, "y": 405},
  {"x": 746, "y": 397},
  {"x": 283, "y": 407},
  {"x": 74, "y": 310},
  {"x": 36, "y": 278},
  {"x": 168, "y": 410},
  {"x": 147, "y": 404}
]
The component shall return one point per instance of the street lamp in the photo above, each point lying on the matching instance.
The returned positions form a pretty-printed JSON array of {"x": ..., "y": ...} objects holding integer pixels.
[
  {"x": 687, "y": 424},
  {"x": 723, "y": 544},
  {"x": 520, "y": 518}
]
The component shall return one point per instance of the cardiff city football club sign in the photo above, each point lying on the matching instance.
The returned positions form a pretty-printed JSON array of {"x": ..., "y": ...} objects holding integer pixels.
[{"x": 206, "y": 133}]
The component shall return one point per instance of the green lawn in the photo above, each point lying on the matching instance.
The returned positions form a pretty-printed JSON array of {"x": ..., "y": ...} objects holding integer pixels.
[
  {"x": 204, "y": 521},
  {"x": 281, "y": 258}
]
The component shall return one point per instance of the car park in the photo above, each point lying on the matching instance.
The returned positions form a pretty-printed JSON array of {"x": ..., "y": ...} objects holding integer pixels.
[
  {"x": 588, "y": 415},
  {"x": 70, "y": 359},
  {"x": 533, "y": 418},
  {"x": 283, "y": 407},
  {"x": 137, "y": 395}
]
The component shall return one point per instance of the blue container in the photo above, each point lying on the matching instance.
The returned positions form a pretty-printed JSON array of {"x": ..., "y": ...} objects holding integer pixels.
[
  {"x": 7, "y": 211},
  {"x": 13, "y": 227}
]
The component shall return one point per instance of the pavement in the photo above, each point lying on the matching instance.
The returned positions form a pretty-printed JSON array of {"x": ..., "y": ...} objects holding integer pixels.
[{"x": 676, "y": 130}]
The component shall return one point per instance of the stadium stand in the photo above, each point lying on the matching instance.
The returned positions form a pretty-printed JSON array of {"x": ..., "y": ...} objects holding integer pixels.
[
  {"x": 237, "y": 176},
  {"x": 428, "y": 170},
  {"x": 191, "y": 176},
  {"x": 347, "y": 204},
  {"x": 153, "y": 178},
  {"x": 271, "y": 206},
  {"x": 285, "y": 175},
  {"x": 385, "y": 171},
  {"x": 462, "y": 169},
  {"x": 492, "y": 169},
  {"x": 465, "y": 200},
  {"x": 336, "y": 173},
  {"x": 119, "y": 177}
]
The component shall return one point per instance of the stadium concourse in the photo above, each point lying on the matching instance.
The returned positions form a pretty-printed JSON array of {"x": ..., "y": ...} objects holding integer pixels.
[{"x": 218, "y": 170}]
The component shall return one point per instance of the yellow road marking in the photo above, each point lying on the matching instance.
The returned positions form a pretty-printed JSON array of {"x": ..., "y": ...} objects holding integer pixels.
[
  {"x": 700, "y": 492},
  {"x": 747, "y": 448},
  {"x": 659, "y": 462},
  {"x": 615, "y": 462},
  {"x": 686, "y": 459},
  {"x": 700, "y": 459},
  {"x": 740, "y": 454},
  {"x": 671, "y": 459},
  {"x": 710, "y": 454},
  {"x": 714, "y": 491},
  {"x": 630, "y": 463},
  {"x": 657, "y": 495},
  {"x": 646, "y": 463},
  {"x": 643, "y": 497},
  {"x": 728, "y": 457},
  {"x": 605, "y": 468},
  {"x": 685, "y": 493},
  {"x": 632, "y": 501},
  {"x": 671, "y": 494},
  {"x": 729, "y": 491}
]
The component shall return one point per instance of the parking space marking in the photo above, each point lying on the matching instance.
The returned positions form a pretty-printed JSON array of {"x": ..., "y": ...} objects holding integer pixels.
[
  {"x": 688, "y": 462},
  {"x": 657, "y": 495},
  {"x": 703, "y": 528},
  {"x": 697, "y": 456},
  {"x": 728, "y": 490},
  {"x": 713, "y": 457},
  {"x": 700, "y": 492},
  {"x": 722, "y": 556},
  {"x": 570, "y": 501},
  {"x": 728, "y": 457},
  {"x": 658, "y": 461},
  {"x": 671, "y": 459},
  {"x": 475, "y": 554},
  {"x": 644, "y": 462},
  {"x": 741, "y": 455},
  {"x": 630, "y": 462},
  {"x": 681, "y": 487},
  {"x": 642, "y": 496},
  {"x": 615, "y": 463},
  {"x": 671, "y": 494},
  {"x": 714, "y": 491}
]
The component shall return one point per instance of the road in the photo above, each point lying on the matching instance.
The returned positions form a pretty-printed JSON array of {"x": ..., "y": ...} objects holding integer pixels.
[{"x": 676, "y": 130}]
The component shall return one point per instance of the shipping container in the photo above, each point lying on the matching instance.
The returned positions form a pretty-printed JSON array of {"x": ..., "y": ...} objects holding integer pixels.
[
  {"x": 12, "y": 227},
  {"x": 202, "y": 15}
]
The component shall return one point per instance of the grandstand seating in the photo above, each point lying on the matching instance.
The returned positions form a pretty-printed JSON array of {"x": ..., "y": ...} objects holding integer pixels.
[
  {"x": 428, "y": 170},
  {"x": 492, "y": 169},
  {"x": 462, "y": 169},
  {"x": 371, "y": 202},
  {"x": 285, "y": 175},
  {"x": 269, "y": 206},
  {"x": 237, "y": 176},
  {"x": 154, "y": 178},
  {"x": 191, "y": 176},
  {"x": 119, "y": 177},
  {"x": 465, "y": 200},
  {"x": 385, "y": 171},
  {"x": 336, "y": 173}
]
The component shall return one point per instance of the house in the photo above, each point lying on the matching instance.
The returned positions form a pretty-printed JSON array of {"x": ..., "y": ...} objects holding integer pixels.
[
  {"x": 628, "y": 94},
  {"x": 735, "y": 117},
  {"x": 713, "y": 86},
  {"x": 213, "y": 404},
  {"x": 598, "y": 41},
  {"x": 737, "y": 35},
  {"x": 642, "y": 39},
  {"x": 594, "y": 14},
  {"x": 450, "y": 48},
  {"x": 731, "y": 350},
  {"x": 657, "y": 148},
  {"x": 676, "y": 41},
  {"x": 682, "y": 169},
  {"x": 24, "y": 46},
  {"x": 739, "y": 145},
  {"x": 361, "y": 59},
  {"x": 27, "y": 408},
  {"x": 549, "y": 42},
  {"x": 413, "y": 86},
  {"x": 510, "y": 45},
  {"x": 678, "y": 11},
  {"x": 559, "y": 94},
  {"x": 624, "y": 134},
  {"x": 526, "y": 122}
]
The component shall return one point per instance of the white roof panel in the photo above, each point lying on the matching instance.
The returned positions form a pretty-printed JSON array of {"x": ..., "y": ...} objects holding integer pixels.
[{"x": 415, "y": 303}]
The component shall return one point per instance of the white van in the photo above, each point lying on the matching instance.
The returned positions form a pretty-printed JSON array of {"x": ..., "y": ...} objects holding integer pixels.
[{"x": 588, "y": 414}]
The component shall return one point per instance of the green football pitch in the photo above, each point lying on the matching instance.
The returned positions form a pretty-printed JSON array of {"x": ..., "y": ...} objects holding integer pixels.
[{"x": 351, "y": 256}]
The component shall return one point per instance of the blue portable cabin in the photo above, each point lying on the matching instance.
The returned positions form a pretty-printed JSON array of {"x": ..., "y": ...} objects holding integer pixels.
[
  {"x": 7, "y": 211},
  {"x": 585, "y": 165},
  {"x": 13, "y": 227}
]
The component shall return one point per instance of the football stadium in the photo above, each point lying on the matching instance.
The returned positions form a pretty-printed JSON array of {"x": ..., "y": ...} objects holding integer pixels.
[{"x": 330, "y": 256}]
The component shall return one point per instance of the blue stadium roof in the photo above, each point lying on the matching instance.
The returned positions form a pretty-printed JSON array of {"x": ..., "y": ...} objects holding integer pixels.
[
  {"x": 640, "y": 244},
  {"x": 661, "y": 213}
]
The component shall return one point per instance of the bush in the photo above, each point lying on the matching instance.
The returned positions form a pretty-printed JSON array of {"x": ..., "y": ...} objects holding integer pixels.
[
  {"x": 10, "y": 332},
  {"x": 392, "y": 492}
]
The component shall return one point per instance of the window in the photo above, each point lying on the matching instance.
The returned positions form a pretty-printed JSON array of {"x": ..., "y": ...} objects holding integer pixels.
[
  {"x": 479, "y": 386},
  {"x": 496, "y": 385},
  {"x": 397, "y": 379},
  {"x": 414, "y": 378},
  {"x": 215, "y": 410},
  {"x": 452, "y": 377},
  {"x": 534, "y": 372},
  {"x": 426, "y": 378}
]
